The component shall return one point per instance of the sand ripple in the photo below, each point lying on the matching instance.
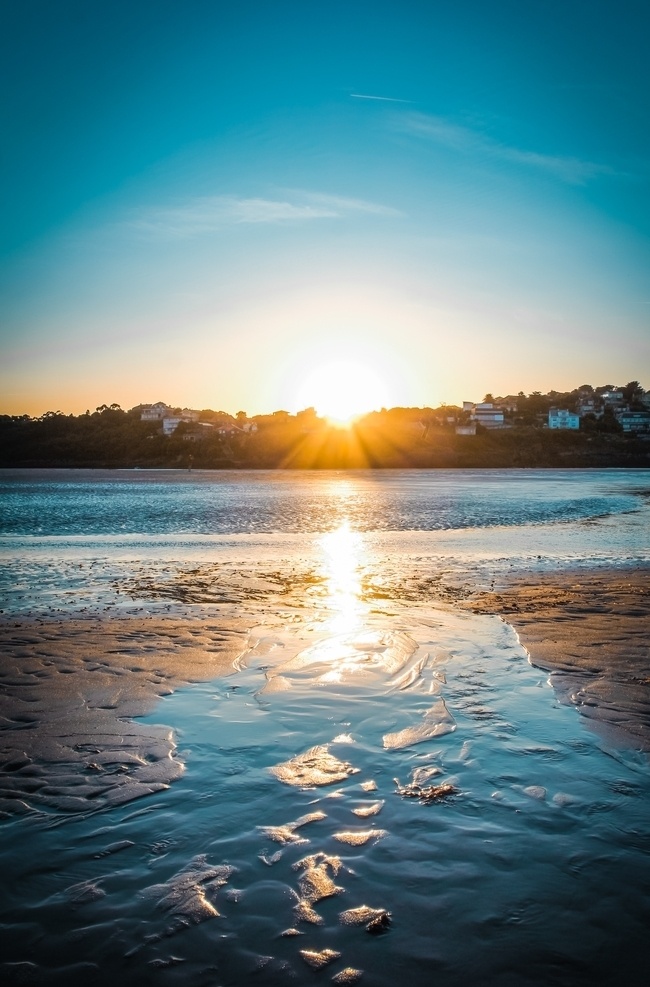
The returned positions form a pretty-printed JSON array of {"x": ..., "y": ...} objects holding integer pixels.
[
  {"x": 315, "y": 767},
  {"x": 359, "y": 837},
  {"x": 287, "y": 833},
  {"x": 437, "y": 721},
  {"x": 317, "y": 959},
  {"x": 349, "y": 660},
  {"x": 188, "y": 894},
  {"x": 67, "y": 692}
]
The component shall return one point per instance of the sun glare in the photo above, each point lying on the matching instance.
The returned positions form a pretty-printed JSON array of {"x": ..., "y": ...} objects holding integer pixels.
[
  {"x": 342, "y": 551},
  {"x": 342, "y": 391}
]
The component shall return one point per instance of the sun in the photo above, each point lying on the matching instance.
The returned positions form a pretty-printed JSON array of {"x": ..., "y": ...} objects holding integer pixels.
[{"x": 341, "y": 391}]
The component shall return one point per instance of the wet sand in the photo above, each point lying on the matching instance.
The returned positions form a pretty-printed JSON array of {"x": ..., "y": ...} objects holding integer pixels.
[
  {"x": 69, "y": 691},
  {"x": 591, "y": 631},
  {"x": 71, "y": 687}
]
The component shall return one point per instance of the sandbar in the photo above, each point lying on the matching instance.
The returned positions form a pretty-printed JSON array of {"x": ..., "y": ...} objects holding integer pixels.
[{"x": 590, "y": 630}]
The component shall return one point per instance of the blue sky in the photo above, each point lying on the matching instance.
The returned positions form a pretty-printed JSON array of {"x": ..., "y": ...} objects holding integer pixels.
[{"x": 204, "y": 201}]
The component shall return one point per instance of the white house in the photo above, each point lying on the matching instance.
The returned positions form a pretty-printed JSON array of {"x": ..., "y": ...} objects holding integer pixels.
[
  {"x": 154, "y": 412},
  {"x": 612, "y": 398},
  {"x": 161, "y": 412},
  {"x": 170, "y": 424},
  {"x": 485, "y": 414},
  {"x": 489, "y": 417},
  {"x": 561, "y": 418}
]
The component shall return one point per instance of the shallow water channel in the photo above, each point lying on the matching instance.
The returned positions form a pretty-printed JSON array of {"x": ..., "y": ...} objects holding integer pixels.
[
  {"x": 256, "y": 865},
  {"x": 383, "y": 789}
]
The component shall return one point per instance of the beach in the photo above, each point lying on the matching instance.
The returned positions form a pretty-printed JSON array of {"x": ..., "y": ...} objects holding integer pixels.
[
  {"x": 590, "y": 632},
  {"x": 71, "y": 688},
  {"x": 290, "y": 754},
  {"x": 70, "y": 691}
]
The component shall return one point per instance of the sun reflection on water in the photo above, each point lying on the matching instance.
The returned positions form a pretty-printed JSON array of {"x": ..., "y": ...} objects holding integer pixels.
[{"x": 343, "y": 553}]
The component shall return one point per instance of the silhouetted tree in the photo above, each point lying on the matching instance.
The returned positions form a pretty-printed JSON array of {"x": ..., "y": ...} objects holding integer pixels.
[{"x": 632, "y": 391}]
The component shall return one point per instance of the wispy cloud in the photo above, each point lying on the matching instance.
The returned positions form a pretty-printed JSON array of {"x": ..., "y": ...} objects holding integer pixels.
[
  {"x": 210, "y": 214},
  {"x": 467, "y": 141},
  {"x": 342, "y": 205},
  {"x": 381, "y": 99}
]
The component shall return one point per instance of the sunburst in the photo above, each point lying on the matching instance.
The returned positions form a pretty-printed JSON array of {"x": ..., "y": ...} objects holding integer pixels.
[{"x": 342, "y": 390}]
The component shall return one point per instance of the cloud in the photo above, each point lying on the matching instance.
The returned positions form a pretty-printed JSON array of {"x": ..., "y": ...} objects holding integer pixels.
[
  {"x": 344, "y": 206},
  {"x": 381, "y": 99},
  {"x": 466, "y": 141},
  {"x": 210, "y": 214}
]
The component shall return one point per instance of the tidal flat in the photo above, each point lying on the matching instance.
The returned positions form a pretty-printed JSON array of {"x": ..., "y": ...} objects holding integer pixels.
[{"x": 337, "y": 755}]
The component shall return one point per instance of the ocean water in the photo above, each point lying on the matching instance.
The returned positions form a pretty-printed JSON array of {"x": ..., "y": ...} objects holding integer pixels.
[
  {"x": 384, "y": 787},
  {"x": 75, "y": 539},
  {"x": 60, "y": 503}
]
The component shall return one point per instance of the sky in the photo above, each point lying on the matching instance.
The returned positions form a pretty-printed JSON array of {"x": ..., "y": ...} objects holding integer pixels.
[{"x": 220, "y": 205}]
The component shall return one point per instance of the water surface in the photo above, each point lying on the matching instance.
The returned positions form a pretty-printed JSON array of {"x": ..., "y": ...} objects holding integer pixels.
[{"x": 531, "y": 868}]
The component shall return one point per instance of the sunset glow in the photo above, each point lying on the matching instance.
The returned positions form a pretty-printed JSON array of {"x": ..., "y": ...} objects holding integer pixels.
[
  {"x": 343, "y": 390},
  {"x": 268, "y": 210}
]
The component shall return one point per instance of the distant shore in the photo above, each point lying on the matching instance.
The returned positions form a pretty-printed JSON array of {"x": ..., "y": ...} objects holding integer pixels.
[{"x": 116, "y": 440}]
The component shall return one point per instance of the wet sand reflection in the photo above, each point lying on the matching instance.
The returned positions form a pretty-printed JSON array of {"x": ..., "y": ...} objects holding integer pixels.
[{"x": 343, "y": 551}]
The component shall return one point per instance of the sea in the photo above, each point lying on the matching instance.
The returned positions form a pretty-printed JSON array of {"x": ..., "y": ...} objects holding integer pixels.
[{"x": 383, "y": 788}]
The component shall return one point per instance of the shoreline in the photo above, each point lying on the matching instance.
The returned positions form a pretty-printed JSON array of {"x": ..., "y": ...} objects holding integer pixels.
[
  {"x": 73, "y": 685},
  {"x": 72, "y": 690},
  {"x": 589, "y": 630}
]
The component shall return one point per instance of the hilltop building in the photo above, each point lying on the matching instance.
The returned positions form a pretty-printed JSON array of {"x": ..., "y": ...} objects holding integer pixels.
[
  {"x": 198, "y": 431},
  {"x": 485, "y": 414},
  {"x": 170, "y": 424},
  {"x": 587, "y": 406},
  {"x": 161, "y": 412},
  {"x": 154, "y": 412},
  {"x": 637, "y": 422},
  {"x": 561, "y": 418},
  {"x": 613, "y": 398}
]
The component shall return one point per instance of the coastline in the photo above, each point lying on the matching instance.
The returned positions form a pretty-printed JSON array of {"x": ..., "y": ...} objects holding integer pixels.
[{"x": 74, "y": 687}]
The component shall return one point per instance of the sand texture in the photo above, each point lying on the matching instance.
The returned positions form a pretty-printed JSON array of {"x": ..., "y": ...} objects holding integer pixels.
[
  {"x": 70, "y": 690},
  {"x": 592, "y": 632}
]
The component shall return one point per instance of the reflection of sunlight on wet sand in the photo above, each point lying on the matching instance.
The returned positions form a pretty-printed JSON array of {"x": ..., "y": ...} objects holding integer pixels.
[
  {"x": 351, "y": 652},
  {"x": 343, "y": 550}
]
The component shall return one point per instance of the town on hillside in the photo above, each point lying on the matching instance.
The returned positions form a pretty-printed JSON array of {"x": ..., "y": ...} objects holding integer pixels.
[
  {"x": 588, "y": 426},
  {"x": 628, "y": 407}
]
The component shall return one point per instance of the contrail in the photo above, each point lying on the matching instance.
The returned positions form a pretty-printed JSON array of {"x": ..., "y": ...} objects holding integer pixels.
[{"x": 383, "y": 99}]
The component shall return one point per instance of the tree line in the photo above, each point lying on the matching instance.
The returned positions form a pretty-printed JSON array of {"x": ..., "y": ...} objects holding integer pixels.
[{"x": 111, "y": 437}]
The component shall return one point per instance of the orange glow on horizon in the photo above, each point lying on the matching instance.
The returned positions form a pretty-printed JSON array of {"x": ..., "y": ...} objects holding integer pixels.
[{"x": 341, "y": 391}]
